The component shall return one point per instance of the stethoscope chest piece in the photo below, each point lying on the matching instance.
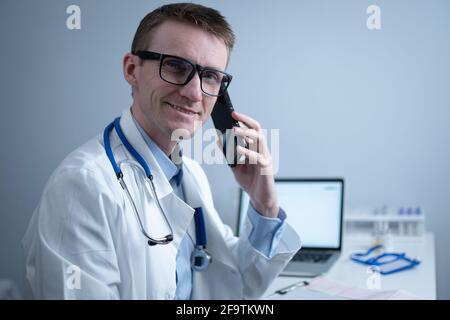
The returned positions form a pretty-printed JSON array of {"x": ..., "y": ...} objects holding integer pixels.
[{"x": 200, "y": 259}]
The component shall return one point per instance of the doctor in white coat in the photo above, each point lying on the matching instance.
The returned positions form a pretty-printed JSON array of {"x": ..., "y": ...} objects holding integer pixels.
[{"x": 84, "y": 240}]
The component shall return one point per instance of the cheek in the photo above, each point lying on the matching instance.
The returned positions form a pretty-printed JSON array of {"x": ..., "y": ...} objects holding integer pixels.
[
  {"x": 149, "y": 80},
  {"x": 155, "y": 92}
]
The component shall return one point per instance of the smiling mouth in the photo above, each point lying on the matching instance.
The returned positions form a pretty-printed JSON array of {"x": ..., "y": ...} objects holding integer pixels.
[{"x": 181, "y": 109}]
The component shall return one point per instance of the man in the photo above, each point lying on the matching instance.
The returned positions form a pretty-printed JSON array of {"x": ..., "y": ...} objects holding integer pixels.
[{"x": 86, "y": 240}]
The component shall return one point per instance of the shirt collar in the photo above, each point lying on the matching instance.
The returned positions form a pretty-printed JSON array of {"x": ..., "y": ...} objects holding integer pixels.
[{"x": 167, "y": 166}]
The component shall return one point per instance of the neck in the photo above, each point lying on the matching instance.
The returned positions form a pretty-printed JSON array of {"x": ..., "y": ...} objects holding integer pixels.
[{"x": 162, "y": 140}]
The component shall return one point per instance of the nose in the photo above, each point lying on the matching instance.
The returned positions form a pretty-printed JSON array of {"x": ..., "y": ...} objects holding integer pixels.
[{"x": 192, "y": 90}]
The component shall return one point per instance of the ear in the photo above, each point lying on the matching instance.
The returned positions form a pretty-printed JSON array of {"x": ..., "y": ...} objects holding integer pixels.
[{"x": 129, "y": 68}]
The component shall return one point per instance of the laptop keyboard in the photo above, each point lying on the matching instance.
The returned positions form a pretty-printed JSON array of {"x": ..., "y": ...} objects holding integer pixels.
[{"x": 314, "y": 257}]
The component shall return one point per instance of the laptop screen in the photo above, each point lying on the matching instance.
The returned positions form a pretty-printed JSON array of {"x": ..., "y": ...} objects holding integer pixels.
[{"x": 314, "y": 208}]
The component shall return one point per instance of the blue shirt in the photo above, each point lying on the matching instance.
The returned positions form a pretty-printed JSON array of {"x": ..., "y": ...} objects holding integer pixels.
[{"x": 264, "y": 236}]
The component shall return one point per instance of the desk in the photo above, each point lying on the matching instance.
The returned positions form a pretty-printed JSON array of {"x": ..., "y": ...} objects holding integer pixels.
[{"x": 420, "y": 281}]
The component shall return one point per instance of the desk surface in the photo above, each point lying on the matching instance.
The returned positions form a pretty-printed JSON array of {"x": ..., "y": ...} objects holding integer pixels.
[{"x": 420, "y": 281}]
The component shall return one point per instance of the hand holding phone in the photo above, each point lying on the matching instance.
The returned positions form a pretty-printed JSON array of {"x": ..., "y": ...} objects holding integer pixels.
[{"x": 224, "y": 122}]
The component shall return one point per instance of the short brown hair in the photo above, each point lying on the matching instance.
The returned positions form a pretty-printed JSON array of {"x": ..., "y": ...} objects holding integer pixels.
[{"x": 210, "y": 20}]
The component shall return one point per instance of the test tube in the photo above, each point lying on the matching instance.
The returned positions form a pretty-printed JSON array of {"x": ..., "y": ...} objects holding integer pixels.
[{"x": 401, "y": 226}]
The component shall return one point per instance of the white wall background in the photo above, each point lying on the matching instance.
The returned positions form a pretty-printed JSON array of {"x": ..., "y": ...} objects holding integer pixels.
[{"x": 371, "y": 106}]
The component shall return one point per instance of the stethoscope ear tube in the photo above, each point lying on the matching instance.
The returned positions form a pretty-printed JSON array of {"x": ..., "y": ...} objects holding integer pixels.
[
  {"x": 107, "y": 144},
  {"x": 151, "y": 241},
  {"x": 166, "y": 240},
  {"x": 108, "y": 150}
]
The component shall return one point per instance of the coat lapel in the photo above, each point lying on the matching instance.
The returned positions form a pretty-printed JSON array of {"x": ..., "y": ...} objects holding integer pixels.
[{"x": 216, "y": 245}]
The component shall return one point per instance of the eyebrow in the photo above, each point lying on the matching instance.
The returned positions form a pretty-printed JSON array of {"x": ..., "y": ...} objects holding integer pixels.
[{"x": 200, "y": 64}]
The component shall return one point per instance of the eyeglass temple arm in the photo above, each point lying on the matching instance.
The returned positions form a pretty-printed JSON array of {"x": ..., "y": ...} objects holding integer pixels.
[{"x": 147, "y": 55}]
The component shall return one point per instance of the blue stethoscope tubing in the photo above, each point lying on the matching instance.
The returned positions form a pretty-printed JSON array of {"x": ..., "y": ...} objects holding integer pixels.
[
  {"x": 383, "y": 259},
  {"x": 200, "y": 259},
  {"x": 119, "y": 174}
]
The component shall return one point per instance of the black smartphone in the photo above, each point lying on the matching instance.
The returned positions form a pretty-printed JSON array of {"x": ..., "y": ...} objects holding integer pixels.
[{"x": 224, "y": 122}]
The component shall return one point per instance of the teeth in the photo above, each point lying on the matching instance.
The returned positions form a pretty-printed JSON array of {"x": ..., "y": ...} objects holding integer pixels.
[{"x": 181, "y": 109}]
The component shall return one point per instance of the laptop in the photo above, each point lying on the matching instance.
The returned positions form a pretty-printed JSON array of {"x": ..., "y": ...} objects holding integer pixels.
[{"x": 315, "y": 210}]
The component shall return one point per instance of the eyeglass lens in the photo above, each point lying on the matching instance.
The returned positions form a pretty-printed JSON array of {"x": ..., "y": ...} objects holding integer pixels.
[{"x": 178, "y": 71}]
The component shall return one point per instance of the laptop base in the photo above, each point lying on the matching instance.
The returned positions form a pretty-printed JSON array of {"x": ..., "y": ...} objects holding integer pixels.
[{"x": 309, "y": 269}]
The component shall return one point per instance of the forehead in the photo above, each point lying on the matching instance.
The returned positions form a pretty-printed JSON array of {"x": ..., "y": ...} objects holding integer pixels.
[{"x": 190, "y": 42}]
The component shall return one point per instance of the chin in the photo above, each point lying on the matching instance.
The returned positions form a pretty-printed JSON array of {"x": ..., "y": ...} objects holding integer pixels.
[{"x": 182, "y": 129}]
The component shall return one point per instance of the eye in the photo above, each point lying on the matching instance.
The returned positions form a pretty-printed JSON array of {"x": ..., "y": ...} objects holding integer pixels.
[
  {"x": 212, "y": 76},
  {"x": 176, "y": 65}
]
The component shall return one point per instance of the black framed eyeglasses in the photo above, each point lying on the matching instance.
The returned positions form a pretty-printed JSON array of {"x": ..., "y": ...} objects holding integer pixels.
[{"x": 179, "y": 71}]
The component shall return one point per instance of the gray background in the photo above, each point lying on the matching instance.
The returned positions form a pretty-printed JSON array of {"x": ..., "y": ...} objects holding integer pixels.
[{"x": 372, "y": 106}]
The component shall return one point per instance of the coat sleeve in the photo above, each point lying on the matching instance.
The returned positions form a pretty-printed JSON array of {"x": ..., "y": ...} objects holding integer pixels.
[
  {"x": 68, "y": 245},
  {"x": 255, "y": 271}
]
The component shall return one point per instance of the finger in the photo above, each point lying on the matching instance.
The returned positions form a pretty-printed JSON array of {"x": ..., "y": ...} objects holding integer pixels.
[
  {"x": 250, "y": 141},
  {"x": 256, "y": 135},
  {"x": 253, "y": 156},
  {"x": 255, "y": 139},
  {"x": 248, "y": 121},
  {"x": 249, "y": 135},
  {"x": 244, "y": 132}
]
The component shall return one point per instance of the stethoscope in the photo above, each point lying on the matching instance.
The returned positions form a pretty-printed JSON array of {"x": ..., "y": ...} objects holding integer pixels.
[
  {"x": 382, "y": 259},
  {"x": 200, "y": 259},
  {"x": 378, "y": 260}
]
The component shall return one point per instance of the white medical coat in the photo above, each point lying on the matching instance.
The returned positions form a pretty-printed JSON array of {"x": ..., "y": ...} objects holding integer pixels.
[{"x": 84, "y": 242}]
